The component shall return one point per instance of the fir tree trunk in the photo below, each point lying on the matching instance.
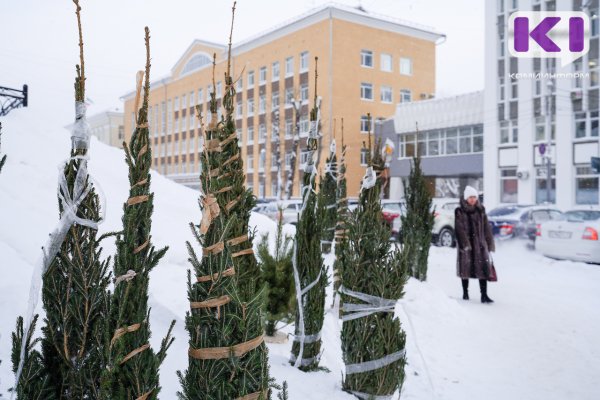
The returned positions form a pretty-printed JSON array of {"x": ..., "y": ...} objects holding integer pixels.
[
  {"x": 133, "y": 367},
  {"x": 373, "y": 275},
  {"x": 418, "y": 221},
  {"x": 310, "y": 274},
  {"x": 227, "y": 355}
]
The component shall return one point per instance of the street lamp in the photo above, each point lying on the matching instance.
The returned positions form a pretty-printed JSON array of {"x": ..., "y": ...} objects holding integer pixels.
[{"x": 550, "y": 87}]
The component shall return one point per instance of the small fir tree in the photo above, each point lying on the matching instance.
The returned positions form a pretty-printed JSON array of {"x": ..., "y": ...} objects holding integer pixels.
[
  {"x": 328, "y": 192},
  {"x": 74, "y": 284},
  {"x": 277, "y": 273},
  {"x": 283, "y": 395},
  {"x": 373, "y": 277},
  {"x": 227, "y": 354},
  {"x": 310, "y": 274},
  {"x": 133, "y": 365},
  {"x": 417, "y": 223},
  {"x": 342, "y": 216}
]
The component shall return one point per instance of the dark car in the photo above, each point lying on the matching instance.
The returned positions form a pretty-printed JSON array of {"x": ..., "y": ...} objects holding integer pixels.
[{"x": 518, "y": 220}]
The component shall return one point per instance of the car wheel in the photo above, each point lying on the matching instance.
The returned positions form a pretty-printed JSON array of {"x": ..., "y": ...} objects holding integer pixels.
[{"x": 446, "y": 238}]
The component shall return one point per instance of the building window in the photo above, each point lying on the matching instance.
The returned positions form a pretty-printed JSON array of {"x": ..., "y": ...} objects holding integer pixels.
[
  {"x": 386, "y": 62},
  {"x": 304, "y": 93},
  {"x": 366, "y": 58},
  {"x": 275, "y": 71},
  {"x": 250, "y": 166},
  {"x": 250, "y": 107},
  {"x": 509, "y": 132},
  {"x": 405, "y": 95},
  {"x": 364, "y": 124},
  {"x": 541, "y": 193},
  {"x": 289, "y": 66},
  {"x": 477, "y": 139},
  {"x": 262, "y": 75},
  {"x": 262, "y": 104},
  {"x": 288, "y": 161},
  {"x": 364, "y": 157},
  {"x": 250, "y": 79},
  {"x": 169, "y": 116},
  {"x": 240, "y": 84},
  {"x": 586, "y": 124},
  {"x": 406, "y": 67},
  {"x": 176, "y": 104},
  {"x": 304, "y": 125},
  {"x": 386, "y": 94},
  {"x": 262, "y": 133},
  {"x": 509, "y": 186},
  {"x": 586, "y": 185},
  {"x": 501, "y": 6},
  {"x": 304, "y": 61},
  {"x": 239, "y": 109},
  {"x": 289, "y": 97},
  {"x": 366, "y": 91},
  {"x": 261, "y": 190},
  {"x": 262, "y": 160},
  {"x": 303, "y": 158},
  {"x": 288, "y": 129},
  {"x": 274, "y": 101},
  {"x": 464, "y": 142},
  {"x": 250, "y": 135}
]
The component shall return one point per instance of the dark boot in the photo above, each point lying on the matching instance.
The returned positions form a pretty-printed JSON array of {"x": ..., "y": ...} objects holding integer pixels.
[
  {"x": 483, "y": 288},
  {"x": 465, "y": 286}
]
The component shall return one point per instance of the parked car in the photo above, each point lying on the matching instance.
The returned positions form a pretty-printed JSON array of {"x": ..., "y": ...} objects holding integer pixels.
[
  {"x": 520, "y": 220},
  {"x": 572, "y": 237},
  {"x": 392, "y": 210},
  {"x": 443, "y": 223},
  {"x": 291, "y": 208}
]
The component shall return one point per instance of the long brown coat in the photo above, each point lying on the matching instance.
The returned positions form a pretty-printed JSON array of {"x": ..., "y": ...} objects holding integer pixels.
[{"x": 474, "y": 241}]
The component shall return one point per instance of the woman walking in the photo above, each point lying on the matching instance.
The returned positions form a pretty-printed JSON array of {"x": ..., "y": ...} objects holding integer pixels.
[{"x": 475, "y": 242}]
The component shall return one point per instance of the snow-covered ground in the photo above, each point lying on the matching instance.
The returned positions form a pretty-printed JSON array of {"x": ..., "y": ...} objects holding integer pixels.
[{"x": 539, "y": 340}]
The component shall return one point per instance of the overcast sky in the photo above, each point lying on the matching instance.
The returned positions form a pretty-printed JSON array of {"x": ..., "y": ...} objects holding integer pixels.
[{"x": 38, "y": 41}]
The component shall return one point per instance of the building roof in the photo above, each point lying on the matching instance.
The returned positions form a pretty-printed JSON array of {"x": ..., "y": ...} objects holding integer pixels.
[
  {"x": 463, "y": 109},
  {"x": 311, "y": 17}
]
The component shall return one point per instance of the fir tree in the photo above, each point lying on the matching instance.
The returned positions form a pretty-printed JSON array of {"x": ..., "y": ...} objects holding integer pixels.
[
  {"x": 133, "y": 367},
  {"x": 227, "y": 355},
  {"x": 417, "y": 223},
  {"x": 342, "y": 215},
  {"x": 328, "y": 192},
  {"x": 283, "y": 395},
  {"x": 310, "y": 274},
  {"x": 2, "y": 158},
  {"x": 74, "y": 284},
  {"x": 373, "y": 275},
  {"x": 33, "y": 382},
  {"x": 277, "y": 273}
]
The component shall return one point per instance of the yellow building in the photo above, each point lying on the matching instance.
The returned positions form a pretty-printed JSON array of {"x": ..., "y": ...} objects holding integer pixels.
[{"x": 367, "y": 64}]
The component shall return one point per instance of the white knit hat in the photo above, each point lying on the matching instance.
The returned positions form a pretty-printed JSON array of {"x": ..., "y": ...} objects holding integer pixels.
[{"x": 470, "y": 191}]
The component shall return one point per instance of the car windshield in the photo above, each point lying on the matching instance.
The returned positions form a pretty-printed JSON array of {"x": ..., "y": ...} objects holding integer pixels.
[
  {"x": 504, "y": 211},
  {"x": 585, "y": 215},
  {"x": 391, "y": 206}
]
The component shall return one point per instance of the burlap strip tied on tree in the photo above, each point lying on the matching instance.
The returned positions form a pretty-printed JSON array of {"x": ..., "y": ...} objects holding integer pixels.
[
  {"x": 211, "y": 303},
  {"x": 137, "y": 200},
  {"x": 134, "y": 353},
  {"x": 248, "y": 251},
  {"x": 238, "y": 240},
  {"x": 253, "y": 396},
  {"x": 214, "y": 249},
  {"x": 210, "y": 211},
  {"x": 122, "y": 331},
  {"x": 218, "y": 353},
  {"x": 145, "y": 395},
  {"x": 211, "y": 278}
]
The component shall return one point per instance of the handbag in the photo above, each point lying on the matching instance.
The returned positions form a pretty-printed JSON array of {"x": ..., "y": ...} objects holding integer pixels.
[{"x": 493, "y": 276}]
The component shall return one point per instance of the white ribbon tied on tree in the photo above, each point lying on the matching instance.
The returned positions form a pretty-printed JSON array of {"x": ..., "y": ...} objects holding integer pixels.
[{"x": 372, "y": 305}]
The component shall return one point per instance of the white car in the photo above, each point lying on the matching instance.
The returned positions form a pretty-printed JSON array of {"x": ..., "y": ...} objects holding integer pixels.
[
  {"x": 573, "y": 237},
  {"x": 291, "y": 208},
  {"x": 443, "y": 222}
]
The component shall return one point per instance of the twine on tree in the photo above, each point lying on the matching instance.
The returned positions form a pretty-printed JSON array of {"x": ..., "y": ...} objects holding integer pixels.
[
  {"x": 129, "y": 275},
  {"x": 142, "y": 182},
  {"x": 248, "y": 251},
  {"x": 253, "y": 396},
  {"x": 213, "y": 145},
  {"x": 232, "y": 203},
  {"x": 211, "y": 303},
  {"x": 219, "y": 353},
  {"x": 211, "y": 210},
  {"x": 231, "y": 159},
  {"x": 229, "y": 139},
  {"x": 137, "y": 200},
  {"x": 142, "y": 126},
  {"x": 122, "y": 331},
  {"x": 142, "y": 246},
  {"x": 214, "y": 249},
  {"x": 143, "y": 151},
  {"x": 214, "y": 172},
  {"x": 145, "y": 395},
  {"x": 224, "y": 189},
  {"x": 209, "y": 278},
  {"x": 238, "y": 240},
  {"x": 134, "y": 353}
]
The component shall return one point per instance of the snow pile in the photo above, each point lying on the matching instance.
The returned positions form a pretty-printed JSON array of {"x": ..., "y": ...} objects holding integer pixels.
[{"x": 539, "y": 340}]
